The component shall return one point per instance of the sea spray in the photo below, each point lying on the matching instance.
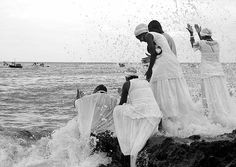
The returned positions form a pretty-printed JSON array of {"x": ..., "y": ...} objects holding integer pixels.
[
  {"x": 64, "y": 148},
  {"x": 11, "y": 151}
]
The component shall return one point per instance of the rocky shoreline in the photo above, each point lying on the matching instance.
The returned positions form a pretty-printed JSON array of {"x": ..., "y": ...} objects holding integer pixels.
[
  {"x": 162, "y": 151},
  {"x": 159, "y": 151}
]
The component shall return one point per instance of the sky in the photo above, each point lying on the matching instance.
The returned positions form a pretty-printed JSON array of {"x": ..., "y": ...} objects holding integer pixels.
[{"x": 103, "y": 30}]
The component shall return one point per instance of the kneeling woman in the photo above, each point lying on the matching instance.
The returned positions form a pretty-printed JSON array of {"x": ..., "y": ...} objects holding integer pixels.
[
  {"x": 95, "y": 112},
  {"x": 137, "y": 115}
]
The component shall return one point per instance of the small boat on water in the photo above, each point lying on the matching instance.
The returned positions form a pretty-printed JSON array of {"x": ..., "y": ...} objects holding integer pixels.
[
  {"x": 122, "y": 64},
  {"x": 39, "y": 65},
  {"x": 13, "y": 65}
]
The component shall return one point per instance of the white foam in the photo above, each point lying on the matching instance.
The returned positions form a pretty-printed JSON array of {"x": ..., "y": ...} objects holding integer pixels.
[{"x": 64, "y": 149}]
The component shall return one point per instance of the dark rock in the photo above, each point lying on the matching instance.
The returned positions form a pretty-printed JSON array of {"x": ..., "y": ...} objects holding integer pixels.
[
  {"x": 195, "y": 137},
  {"x": 171, "y": 152},
  {"x": 109, "y": 144},
  {"x": 161, "y": 151},
  {"x": 234, "y": 131}
]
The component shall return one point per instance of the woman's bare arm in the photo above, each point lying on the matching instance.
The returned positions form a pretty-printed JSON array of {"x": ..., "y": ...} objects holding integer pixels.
[{"x": 124, "y": 94}]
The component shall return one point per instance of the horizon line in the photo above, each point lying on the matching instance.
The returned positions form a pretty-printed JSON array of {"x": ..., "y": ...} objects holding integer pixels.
[{"x": 90, "y": 62}]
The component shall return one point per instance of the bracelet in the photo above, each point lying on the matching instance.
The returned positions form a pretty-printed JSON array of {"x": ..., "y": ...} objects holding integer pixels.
[
  {"x": 191, "y": 36},
  {"x": 158, "y": 50}
]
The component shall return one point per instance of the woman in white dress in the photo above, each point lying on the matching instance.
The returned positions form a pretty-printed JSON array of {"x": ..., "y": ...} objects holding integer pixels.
[
  {"x": 215, "y": 96},
  {"x": 155, "y": 26},
  {"x": 95, "y": 112},
  {"x": 180, "y": 115},
  {"x": 137, "y": 116},
  {"x": 70, "y": 145}
]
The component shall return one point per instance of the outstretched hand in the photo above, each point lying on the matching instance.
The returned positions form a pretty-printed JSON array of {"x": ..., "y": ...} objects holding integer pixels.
[
  {"x": 145, "y": 60},
  {"x": 79, "y": 94},
  {"x": 197, "y": 28},
  {"x": 189, "y": 28}
]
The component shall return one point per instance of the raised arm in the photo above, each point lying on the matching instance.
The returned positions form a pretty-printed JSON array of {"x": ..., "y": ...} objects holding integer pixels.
[
  {"x": 190, "y": 30},
  {"x": 124, "y": 93},
  {"x": 198, "y": 29}
]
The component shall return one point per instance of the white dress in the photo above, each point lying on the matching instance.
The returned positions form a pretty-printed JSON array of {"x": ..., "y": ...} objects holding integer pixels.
[
  {"x": 136, "y": 120},
  {"x": 70, "y": 146},
  {"x": 170, "y": 42},
  {"x": 181, "y": 117},
  {"x": 95, "y": 113},
  {"x": 215, "y": 96}
]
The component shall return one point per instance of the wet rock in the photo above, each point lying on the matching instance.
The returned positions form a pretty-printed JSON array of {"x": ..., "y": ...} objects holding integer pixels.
[
  {"x": 195, "y": 137},
  {"x": 161, "y": 151},
  {"x": 107, "y": 143},
  {"x": 199, "y": 153},
  {"x": 25, "y": 134}
]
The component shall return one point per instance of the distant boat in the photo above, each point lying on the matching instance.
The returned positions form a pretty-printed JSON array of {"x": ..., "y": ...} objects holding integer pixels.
[
  {"x": 193, "y": 65},
  {"x": 5, "y": 63},
  {"x": 39, "y": 65},
  {"x": 13, "y": 65},
  {"x": 122, "y": 64}
]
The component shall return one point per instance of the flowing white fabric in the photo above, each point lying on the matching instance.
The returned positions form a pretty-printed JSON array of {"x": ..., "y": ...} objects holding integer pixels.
[
  {"x": 170, "y": 42},
  {"x": 220, "y": 106},
  {"x": 173, "y": 97},
  {"x": 95, "y": 113},
  {"x": 136, "y": 120},
  {"x": 167, "y": 66},
  {"x": 181, "y": 116}
]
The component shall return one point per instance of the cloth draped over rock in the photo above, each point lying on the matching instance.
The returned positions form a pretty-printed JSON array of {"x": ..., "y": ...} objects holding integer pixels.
[{"x": 95, "y": 113}]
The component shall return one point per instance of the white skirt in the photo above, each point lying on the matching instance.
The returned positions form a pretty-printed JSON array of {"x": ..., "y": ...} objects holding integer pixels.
[
  {"x": 220, "y": 106},
  {"x": 173, "y": 97},
  {"x": 181, "y": 116},
  {"x": 132, "y": 132}
]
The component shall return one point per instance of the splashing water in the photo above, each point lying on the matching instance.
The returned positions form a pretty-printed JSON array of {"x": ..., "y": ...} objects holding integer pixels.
[
  {"x": 112, "y": 25},
  {"x": 64, "y": 148},
  {"x": 111, "y": 41},
  {"x": 37, "y": 148}
]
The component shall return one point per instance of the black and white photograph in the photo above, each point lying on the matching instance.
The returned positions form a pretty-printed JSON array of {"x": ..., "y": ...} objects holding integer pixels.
[{"x": 117, "y": 83}]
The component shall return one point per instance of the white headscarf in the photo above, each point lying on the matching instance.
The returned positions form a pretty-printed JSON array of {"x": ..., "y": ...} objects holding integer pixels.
[
  {"x": 141, "y": 28},
  {"x": 130, "y": 72},
  {"x": 206, "y": 32}
]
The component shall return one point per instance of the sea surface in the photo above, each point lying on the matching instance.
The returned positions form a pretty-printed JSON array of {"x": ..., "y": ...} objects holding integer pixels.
[
  {"x": 43, "y": 97},
  {"x": 36, "y": 101}
]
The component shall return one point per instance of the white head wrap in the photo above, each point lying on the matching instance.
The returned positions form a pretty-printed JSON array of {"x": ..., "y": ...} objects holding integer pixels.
[
  {"x": 141, "y": 28},
  {"x": 130, "y": 71},
  {"x": 206, "y": 32}
]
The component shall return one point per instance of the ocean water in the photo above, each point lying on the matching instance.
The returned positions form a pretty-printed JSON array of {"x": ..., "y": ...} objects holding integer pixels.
[{"x": 36, "y": 104}]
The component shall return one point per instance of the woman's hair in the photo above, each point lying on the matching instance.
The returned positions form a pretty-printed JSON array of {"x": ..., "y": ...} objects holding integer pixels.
[
  {"x": 100, "y": 88},
  {"x": 155, "y": 26},
  {"x": 131, "y": 77}
]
